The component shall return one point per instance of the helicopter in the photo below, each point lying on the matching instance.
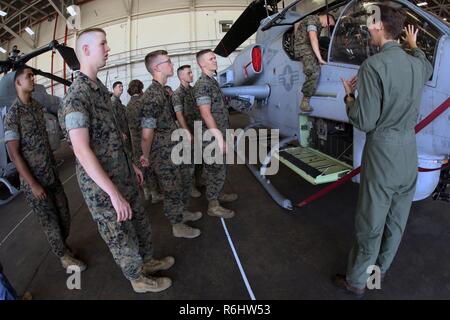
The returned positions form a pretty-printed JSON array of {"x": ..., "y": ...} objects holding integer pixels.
[
  {"x": 51, "y": 103},
  {"x": 326, "y": 147}
]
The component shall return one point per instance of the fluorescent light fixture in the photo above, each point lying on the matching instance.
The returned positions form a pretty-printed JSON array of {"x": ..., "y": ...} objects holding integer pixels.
[
  {"x": 30, "y": 32},
  {"x": 2, "y": 13},
  {"x": 71, "y": 11},
  {"x": 422, "y": 4},
  {"x": 2, "y": 50}
]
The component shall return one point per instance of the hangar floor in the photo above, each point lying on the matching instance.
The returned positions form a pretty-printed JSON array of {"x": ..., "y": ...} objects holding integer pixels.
[{"x": 284, "y": 255}]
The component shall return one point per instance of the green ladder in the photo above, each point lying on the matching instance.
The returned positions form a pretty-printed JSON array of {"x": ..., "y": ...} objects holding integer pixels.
[{"x": 312, "y": 165}]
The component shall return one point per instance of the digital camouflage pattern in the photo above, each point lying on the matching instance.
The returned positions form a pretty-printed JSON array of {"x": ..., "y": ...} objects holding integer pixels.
[
  {"x": 120, "y": 113},
  {"x": 183, "y": 100},
  {"x": 207, "y": 92},
  {"x": 133, "y": 113},
  {"x": 88, "y": 105},
  {"x": 26, "y": 123},
  {"x": 304, "y": 52},
  {"x": 175, "y": 180}
]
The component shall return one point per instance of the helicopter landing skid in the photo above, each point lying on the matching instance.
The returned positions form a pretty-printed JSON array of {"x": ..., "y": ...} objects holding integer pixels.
[
  {"x": 259, "y": 174},
  {"x": 12, "y": 191}
]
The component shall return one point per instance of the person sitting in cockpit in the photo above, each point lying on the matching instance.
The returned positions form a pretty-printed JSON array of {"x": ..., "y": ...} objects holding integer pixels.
[{"x": 306, "y": 48}]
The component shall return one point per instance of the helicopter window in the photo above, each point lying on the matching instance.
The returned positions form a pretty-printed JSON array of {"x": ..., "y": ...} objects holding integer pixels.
[
  {"x": 225, "y": 25},
  {"x": 351, "y": 40}
]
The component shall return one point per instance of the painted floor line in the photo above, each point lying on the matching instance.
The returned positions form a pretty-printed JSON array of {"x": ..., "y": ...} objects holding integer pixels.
[
  {"x": 238, "y": 261},
  {"x": 26, "y": 217}
]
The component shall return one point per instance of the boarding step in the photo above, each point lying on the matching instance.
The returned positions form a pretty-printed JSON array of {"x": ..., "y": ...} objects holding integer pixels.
[{"x": 312, "y": 165}]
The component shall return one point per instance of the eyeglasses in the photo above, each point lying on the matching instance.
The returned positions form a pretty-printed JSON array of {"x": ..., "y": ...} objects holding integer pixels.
[{"x": 167, "y": 61}]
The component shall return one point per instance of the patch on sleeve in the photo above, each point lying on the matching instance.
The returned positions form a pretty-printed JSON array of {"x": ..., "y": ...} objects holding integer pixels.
[
  {"x": 76, "y": 120},
  {"x": 148, "y": 123}
]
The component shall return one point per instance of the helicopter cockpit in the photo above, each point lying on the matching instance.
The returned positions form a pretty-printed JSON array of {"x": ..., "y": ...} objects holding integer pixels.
[{"x": 351, "y": 40}]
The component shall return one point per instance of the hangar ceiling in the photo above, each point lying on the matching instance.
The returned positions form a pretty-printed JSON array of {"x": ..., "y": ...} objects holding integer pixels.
[{"x": 21, "y": 14}]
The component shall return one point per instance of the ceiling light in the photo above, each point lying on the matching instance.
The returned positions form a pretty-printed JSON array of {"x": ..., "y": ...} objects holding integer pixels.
[
  {"x": 30, "y": 32},
  {"x": 2, "y": 13},
  {"x": 445, "y": 19},
  {"x": 422, "y": 4},
  {"x": 2, "y": 50},
  {"x": 71, "y": 11}
]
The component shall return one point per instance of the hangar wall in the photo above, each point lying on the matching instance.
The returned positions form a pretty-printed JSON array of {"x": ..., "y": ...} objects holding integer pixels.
[{"x": 136, "y": 27}]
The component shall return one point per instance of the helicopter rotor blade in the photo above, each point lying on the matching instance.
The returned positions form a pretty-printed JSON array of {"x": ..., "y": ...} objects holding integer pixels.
[
  {"x": 246, "y": 25},
  {"x": 51, "y": 76}
]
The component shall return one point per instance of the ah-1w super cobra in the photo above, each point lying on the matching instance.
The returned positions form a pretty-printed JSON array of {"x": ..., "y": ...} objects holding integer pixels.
[{"x": 329, "y": 147}]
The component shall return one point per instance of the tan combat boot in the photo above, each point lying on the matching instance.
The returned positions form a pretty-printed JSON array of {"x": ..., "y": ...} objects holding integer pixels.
[
  {"x": 216, "y": 210},
  {"x": 181, "y": 230},
  {"x": 195, "y": 193},
  {"x": 155, "y": 265},
  {"x": 228, "y": 197},
  {"x": 156, "y": 196},
  {"x": 150, "y": 284},
  {"x": 305, "y": 106},
  {"x": 67, "y": 261},
  {"x": 191, "y": 216}
]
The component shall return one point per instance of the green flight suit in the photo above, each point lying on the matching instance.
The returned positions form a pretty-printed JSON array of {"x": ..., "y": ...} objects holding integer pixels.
[{"x": 390, "y": 86}]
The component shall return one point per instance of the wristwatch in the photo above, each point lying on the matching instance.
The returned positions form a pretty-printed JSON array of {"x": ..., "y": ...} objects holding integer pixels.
[{"x": 349, "y": 95}]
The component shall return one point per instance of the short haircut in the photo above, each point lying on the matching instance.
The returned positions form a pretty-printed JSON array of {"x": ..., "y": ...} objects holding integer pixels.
[
  {"x": 115, "y": 84},
  {"x": 393, "y": 21},
  {"x": 20, "y": 71},
  {"x": 135, "y": 87},
  {"x": 90, "y": 30},
  {"x": 151, "y": 57},
  {"x": 201, "y": 53},
  {"x": 185, "y": 66},
  {"x": 81, "y": 34}
]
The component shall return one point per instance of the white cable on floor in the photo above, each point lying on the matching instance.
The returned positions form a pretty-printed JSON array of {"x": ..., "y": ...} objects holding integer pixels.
[
  {"x": 238, "y": 261},
  {"x": 26, "y": 216}
]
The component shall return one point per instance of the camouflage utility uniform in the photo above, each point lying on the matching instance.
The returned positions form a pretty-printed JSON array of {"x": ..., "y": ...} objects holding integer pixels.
[
  {"x": 88, "y": 105},
  {"x": 133, "y": 114},
  {"x": 120, "y": 114},
  {"x": 175, "y": 180},
  {"x": 207, "y": 91},
  {"x": 183, "y": 100},
  {"x": 26, "y": 123},
  {"x": 304, "y": 51}
]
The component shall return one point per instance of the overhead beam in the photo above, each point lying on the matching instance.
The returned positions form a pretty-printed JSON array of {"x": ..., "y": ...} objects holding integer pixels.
[
  {"x": 22, "y": 10},
  {"x": 17, "y": 36},
  {"x": 57, "y": 10}
]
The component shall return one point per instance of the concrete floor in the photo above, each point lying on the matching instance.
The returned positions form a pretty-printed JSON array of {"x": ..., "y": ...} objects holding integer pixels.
[{"x": 285, "y": 255}]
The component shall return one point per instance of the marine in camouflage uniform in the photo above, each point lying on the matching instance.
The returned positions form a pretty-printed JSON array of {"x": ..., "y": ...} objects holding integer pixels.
[
  {"x": 207, "y": 92},
  {"x": 133, "y": 113},
  {"x": 120, "y": 114},
  {"x": 26, "y": 123},
  {"x": 183, "y": 101},
  {"x": 88, "y": 105},
  {"x": 175, "y": 180},
  {"x": 304, "y": 51}
]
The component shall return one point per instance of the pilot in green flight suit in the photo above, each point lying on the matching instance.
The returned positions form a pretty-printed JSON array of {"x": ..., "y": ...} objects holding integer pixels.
[{"x": 390, "y": 86}]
